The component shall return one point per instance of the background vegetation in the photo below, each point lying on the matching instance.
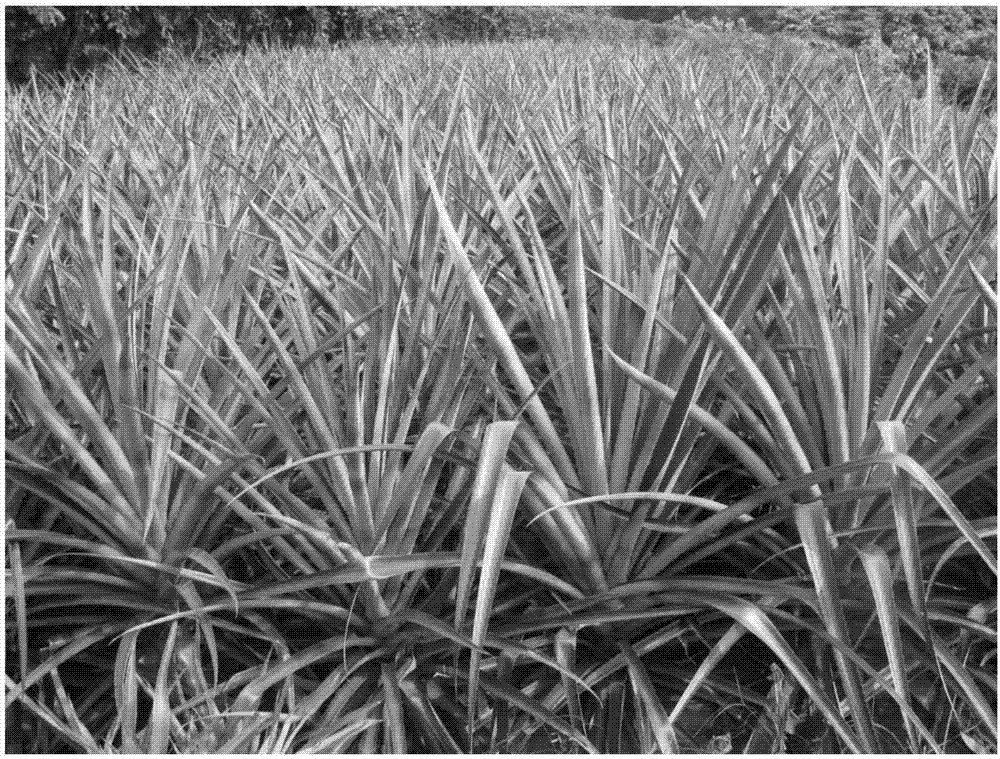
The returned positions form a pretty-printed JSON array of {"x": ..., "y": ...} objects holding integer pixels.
[
  {"x": 506, "y": 396},
  {"x": 962, "y": 40}
]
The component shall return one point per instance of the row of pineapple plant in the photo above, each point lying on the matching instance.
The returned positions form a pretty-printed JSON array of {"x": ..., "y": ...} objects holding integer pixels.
[{"x": 473, "y": 398}]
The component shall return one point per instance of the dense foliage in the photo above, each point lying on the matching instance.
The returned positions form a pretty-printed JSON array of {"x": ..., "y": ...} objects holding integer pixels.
[
  {"x": 504, "y": 397},
  {"x": 70, "y": 39},
  {"x": 961, "y": 39}
]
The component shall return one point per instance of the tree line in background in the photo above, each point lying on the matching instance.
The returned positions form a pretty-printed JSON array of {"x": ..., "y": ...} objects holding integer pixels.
[{"x": 70, "y": 40}]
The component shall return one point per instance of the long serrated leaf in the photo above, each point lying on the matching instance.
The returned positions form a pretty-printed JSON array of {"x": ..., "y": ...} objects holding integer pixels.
[
  {"x": 813, "y": 528},
  {"x": 492, "y": 453},
  {"x": 906, "y": 515},
  {"x": 565, "y": 650},
  {"x": 758, "y": 384},
  {"x": 126, "y": 691},
  {"x": 20, "y": 608},
  {"x": 663, "y": 729},
  {"x": 496, "y": 334},
  {"x": 879, "y": 572},
  {"x": 401, "y": 511},
  {"x": 158, "y": 727},
  {"x": 393, "y": 724},
  {"x": 588, "y": 443},
  {"x": 985, "y": 288},
  {"x": 948, "y": 506},
  {"x": 747, "y": 456},
  {"x": 80, "y": 730},
  {"x": 507, "y": 495}
]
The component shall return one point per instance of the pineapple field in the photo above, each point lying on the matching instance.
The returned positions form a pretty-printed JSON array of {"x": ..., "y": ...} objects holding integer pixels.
[{"x": 510, "y": 397}]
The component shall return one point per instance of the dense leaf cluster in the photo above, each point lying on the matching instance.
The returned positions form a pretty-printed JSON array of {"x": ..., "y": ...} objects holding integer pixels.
[{"x": 500, "y": 397}]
